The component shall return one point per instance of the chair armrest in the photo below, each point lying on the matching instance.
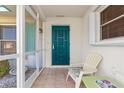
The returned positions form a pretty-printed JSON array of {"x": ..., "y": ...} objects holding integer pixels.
[
  {"x": 77, "y": 65},
  {"x": 89, "y": 71}
]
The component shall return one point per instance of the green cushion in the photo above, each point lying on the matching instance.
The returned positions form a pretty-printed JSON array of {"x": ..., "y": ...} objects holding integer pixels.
[{"x": 4, "y": 67}]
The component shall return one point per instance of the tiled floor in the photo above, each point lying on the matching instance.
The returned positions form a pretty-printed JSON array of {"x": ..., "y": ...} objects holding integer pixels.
[{"x": 53, "y": 78}]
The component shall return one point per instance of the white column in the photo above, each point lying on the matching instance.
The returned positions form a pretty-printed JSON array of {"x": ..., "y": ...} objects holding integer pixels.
[
  {"x": 20, "y": 19},
  {"x": 37, "y": 42},
  {"x": 44, "y": 45}
]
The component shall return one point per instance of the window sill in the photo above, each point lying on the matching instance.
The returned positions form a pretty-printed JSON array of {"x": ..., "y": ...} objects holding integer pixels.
[{"x": 114, "y": 41}]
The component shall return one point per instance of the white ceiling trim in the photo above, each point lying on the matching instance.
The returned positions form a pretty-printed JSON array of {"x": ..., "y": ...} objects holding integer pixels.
[{"x": 40, "y": 11}]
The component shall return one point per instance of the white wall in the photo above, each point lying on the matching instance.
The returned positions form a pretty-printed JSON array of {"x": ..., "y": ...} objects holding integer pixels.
[
  {"x": 75, "y": 37},
  {"x": 113, "y": 56}
]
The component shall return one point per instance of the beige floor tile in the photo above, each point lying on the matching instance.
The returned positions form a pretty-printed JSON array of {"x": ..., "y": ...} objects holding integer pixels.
[{"x": 53, "y": 78}]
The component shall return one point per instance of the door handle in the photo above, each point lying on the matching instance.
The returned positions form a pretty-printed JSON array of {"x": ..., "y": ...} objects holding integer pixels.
[{"x": 53, "y": 46}]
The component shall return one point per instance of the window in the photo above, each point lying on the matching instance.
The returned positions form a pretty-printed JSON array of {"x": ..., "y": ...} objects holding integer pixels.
[
  {"x": 8, "y": 32},
  {"x": 7, "y": 39},
  {"x": 112, "y": 22},
  {"x": 106, "y": 25}
]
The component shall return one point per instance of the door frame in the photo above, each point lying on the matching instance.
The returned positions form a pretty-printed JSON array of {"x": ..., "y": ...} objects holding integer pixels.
[{"x": 69, "y": 45}]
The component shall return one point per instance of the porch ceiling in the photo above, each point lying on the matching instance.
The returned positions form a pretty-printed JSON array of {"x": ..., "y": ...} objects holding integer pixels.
[{"x": 64, "y": 10}]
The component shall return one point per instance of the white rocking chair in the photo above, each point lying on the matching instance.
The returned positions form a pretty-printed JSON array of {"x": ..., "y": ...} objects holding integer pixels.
[{"x": 89, "y": 68}]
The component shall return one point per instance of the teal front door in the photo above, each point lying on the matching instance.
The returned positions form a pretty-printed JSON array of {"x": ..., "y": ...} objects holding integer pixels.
[{"x": 60, "y": 45}]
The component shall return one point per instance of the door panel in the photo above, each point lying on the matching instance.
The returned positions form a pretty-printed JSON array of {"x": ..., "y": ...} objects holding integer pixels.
[{"x": 60, "y": 45}]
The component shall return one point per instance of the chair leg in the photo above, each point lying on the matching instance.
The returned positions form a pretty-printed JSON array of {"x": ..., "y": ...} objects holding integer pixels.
[
  {"x": 77, "y": 83},
  {"x": 67, "y": 77},
  {"x": 78, "y": 80}
]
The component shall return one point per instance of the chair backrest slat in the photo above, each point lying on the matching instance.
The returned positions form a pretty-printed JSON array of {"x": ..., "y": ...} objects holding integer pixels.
[{"x": 92, "y": 60}]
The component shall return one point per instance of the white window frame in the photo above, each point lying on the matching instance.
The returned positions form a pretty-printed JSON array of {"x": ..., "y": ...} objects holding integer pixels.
[
  {"x": 20, "y": 20},
  {"x": 31, "y": 79},
  {"x": 20, "y": 47},
  {"x": 94, "y": 28}
]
